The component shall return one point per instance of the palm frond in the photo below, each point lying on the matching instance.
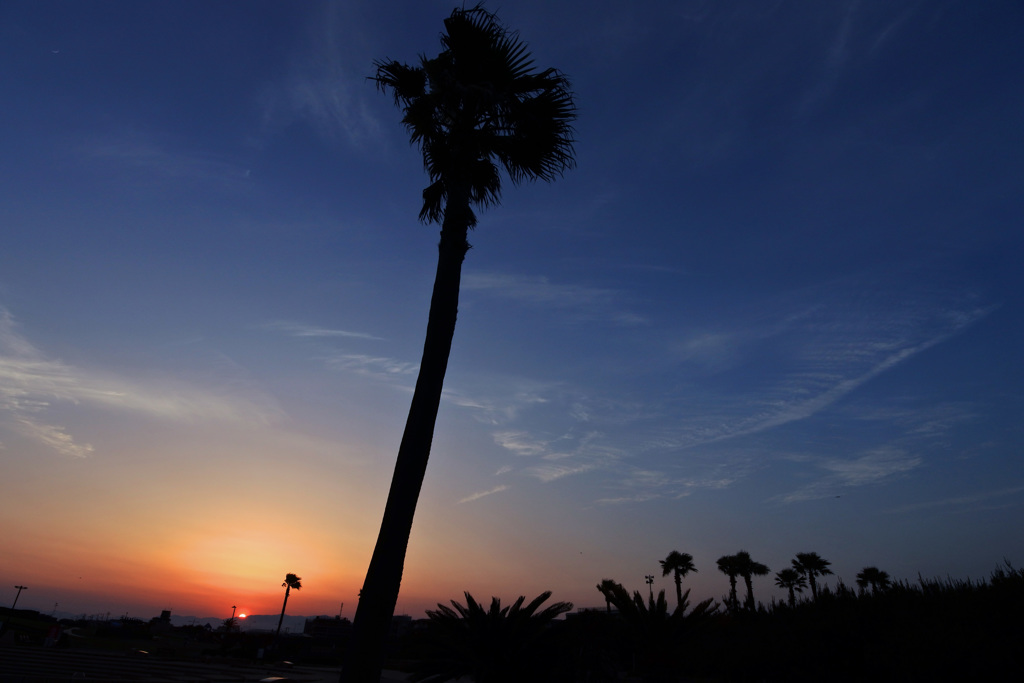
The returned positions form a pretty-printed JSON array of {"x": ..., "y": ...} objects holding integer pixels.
[{"x": 480, "y": 105}]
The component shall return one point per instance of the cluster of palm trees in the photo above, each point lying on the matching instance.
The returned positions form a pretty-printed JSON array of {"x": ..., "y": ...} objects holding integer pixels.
[{"x": 803, "y": 573}]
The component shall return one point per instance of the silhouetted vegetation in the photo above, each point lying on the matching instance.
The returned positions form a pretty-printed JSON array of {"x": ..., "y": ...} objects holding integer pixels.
[
  {"x": 290, "y": 581},
  {"x": 926, "y": 630},
  {"x": 496, "y": 645},
  {"x": 679, "y": 565},
  {"x": 811, "y": 565}
]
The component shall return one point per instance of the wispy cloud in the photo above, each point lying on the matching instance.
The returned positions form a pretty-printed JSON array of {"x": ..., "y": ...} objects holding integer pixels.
[
  {"x": 582, "y": 303},
  {"x": 496, "y": 400},
  {"x": 549, "y": 472},
  {"x": 52, "y": 436},
  {"x": 638, "y": 485},
  {"x": 961, "y": 501},
  {"x": 840, "y": 474},
  {"x": 149, "y": 161},
  {"x": 562, "y": 456},
  {"x": 481, "y": 494},
  {"x": 311, "y": 331},
  {"x": 520, "y": 443},
  {"x": 372, "y": 366},
  {"x": 32, "y": 384},
  {"x": 325, "y": 86},
  {"x": 818, "y": 357},
  {"x": 718, "y": 411}
]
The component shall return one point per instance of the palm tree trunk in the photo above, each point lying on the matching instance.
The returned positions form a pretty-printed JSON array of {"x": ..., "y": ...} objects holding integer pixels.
[
  {"x": 679, "y": 590},
  {"x": 280, "y": 621},
  {"x": 384, "y": 577},
  {"x": 750, "y": 591}
]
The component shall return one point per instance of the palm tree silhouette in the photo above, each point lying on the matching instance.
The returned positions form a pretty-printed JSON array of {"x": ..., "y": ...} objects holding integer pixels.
[
  {"x": 655, "y": 630},
  {"x": 679, "y": 565},
  {"x": 810, "y": 565},
  {"x": 606, "y": 587},
  {"x": 748, "y": 568},
  {"x": 792, "y": 580},
  {"x": 490, "y": 645},
  {"x": 873, "y": 576},
  {"x": 730, "y": 566},
  {"x": 478, "y": 105},
  {"x": 290, "y": 581}
]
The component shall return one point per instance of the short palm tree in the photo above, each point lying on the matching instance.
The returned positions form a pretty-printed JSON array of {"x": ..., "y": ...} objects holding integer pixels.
[
  {"x": 478, "y": 106},
  {"x": 748, "y": 568},
  {"x": 811, "y": 565},
  {"x": 654, "y": 630},
  {"x": 290, "y": 581},
  {"x": 606, "y": 588},
  {"x": 679, "y": 565},
  {"x": 730, "y": 566},
  {"x": 791, "y": 580},
  {"x": 491, "y": 645},
  {"x": 874, "y": 577}
]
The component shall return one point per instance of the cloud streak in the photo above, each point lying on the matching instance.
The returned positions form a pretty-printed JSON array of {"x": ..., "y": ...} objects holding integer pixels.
[
  {"x": 380, "y": 367},
  {"x": 311, "y": 331},
  {"x": 325, "y": 83},
  {"x": 149, "y": 160},
  {"x": 788, "y": 360},
  {"x": 960, "y": 501},
  {"x": 482, "y": 494},
  {"x": 582, "y": 303},
  {"x": 31, "y": 385},
  {"x": 871, "y": 468}
]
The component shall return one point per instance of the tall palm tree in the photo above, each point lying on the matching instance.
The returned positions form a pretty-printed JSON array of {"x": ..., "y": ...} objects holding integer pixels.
[
  {"x": 290, "y": 581},
  {"x": 679, "y": 565},
  {"x": 811, "y": 565},
  {"x": 477, "y": 106},
  {"x": 873, "y": 576},
  {"x": 792, "y": 580},
  {"x": 748, "y": 568},
  {"x": 730, "y": 566}
]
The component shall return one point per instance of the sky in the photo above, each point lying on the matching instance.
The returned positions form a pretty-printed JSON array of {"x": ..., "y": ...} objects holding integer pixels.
[{"x": 777, "y": 306}]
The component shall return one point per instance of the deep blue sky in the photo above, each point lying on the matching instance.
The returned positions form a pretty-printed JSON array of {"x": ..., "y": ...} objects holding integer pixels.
[{"x": 777, "y": 306}]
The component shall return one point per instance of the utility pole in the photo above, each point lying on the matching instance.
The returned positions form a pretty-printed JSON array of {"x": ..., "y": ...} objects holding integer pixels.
[{"x": 650, "y": 584}]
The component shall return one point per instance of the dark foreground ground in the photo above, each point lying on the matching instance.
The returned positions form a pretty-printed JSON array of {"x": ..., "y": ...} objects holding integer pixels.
[{"x": 42, "y": 665}]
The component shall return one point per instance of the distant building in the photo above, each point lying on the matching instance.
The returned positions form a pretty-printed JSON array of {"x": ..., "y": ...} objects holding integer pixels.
[
  {"x": 161, "y": 624},
  {"x": 401, "y": 625},
  {"x": 327, "y": 627}
]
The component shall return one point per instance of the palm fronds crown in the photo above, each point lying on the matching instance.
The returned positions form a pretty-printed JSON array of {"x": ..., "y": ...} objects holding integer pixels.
[{"x": 478, "y": 104}]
